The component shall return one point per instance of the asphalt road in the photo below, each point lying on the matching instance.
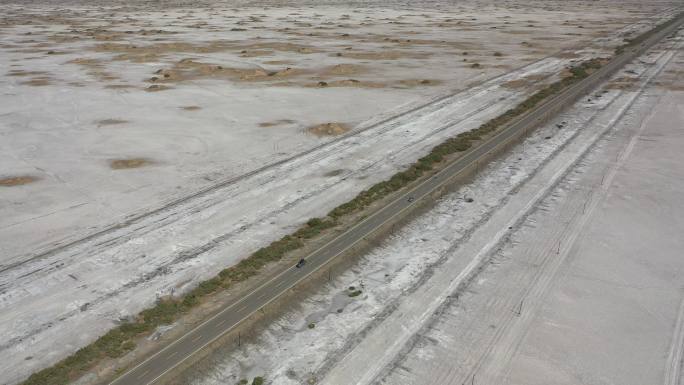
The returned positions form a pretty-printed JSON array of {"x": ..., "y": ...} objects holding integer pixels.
[{"x": 152, "y": 369}]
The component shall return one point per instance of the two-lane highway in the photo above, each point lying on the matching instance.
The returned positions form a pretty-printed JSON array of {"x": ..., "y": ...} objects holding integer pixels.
[{"x": 153, "y": 368}]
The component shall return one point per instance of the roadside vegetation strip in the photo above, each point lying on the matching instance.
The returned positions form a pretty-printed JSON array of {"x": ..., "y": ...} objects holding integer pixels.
[{"x": 121, "y": 339}]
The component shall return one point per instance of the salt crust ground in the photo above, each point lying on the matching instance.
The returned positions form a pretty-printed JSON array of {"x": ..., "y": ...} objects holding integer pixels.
[
  {"x": 69, "y": 109},
  {"x": 605, "y": 307},
  {"x": 469, "y": 335}
]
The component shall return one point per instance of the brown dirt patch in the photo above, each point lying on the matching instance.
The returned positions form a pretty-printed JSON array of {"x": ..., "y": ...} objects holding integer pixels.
[
  {"x": 38, "y": 82},
  {"x": 278, "y": 62},
  {"x": 255, "y": 53},
  {"x": 157, "y": 88},
  {"x": 514, "y": 84},
  {"x": 410, "y": 83},
  {"x": 328, "y": 129},
  {"x": 279, "y": 122},
  {"x": 25, "y": 73},
  {"x": 17, "y": 180},
  {"x": 340, "y": 83},
  {"x": 672, "y": 80},
  {"x": 191, "y": 108},
  {"x": 118, "y": 86},
  {"x": 152, "y": 53},
  {"x": 381, "y": 55},
  {"x": 279, "y": 46},
  {"x": 344, "y": 69},
  {"x": 622, "y": 83},
  {"x": 95, "y": 68},
  {"x": 188, "y": 69},
  {"x": 121, "y": 164}
]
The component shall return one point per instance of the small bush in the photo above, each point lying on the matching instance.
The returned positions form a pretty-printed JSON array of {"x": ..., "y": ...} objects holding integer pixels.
[
  {"x": 311, "y": 325},
  {"x": 258, "y": 381},
  {"x": 355, "y": 293}
]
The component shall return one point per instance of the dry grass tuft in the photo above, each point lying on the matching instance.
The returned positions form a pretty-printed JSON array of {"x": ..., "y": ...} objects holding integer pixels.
[
  {"x": 328, "y": 129},
  {"x": 121, "y": 164},
  {"x": 276, "y": 123},
  {"x": 17, "y": 180}
]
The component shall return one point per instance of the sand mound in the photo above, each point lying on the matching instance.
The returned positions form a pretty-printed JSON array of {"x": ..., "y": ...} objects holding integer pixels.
[
  {"x": 381, "y": 55},
  {"x": 17, "y": 180},
  {"x": 157, "y": 88},
  {"x": 188, "y": 69},
  {"x": 514, "y": 84},
  {"x": 118, "y": 86},
  {"x": 25, "y": 73},
  {"x": 38, "y": 82},
  {"x": 342, "y": 83},
  {"x": 622, "y": 83},
  {"x": 344, "y": 69},
  {"x": 152, "y": 53},
  {"x": 328, "y": 129},
  {"x": 410, "y": 83},
  {"x": 279, "y": 46},
  {"x": 95, "y": 68},
  {"x": 120, "y": 164}
]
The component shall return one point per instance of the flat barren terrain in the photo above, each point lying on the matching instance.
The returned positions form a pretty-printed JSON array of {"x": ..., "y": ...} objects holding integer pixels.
[{"x": 143, "y": 148}]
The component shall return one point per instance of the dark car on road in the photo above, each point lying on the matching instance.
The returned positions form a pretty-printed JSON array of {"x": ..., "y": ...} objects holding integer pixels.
[{"x": 301, "y": 263}]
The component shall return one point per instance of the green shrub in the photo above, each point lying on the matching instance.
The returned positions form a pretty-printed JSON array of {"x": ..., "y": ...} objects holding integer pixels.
[{"x": 258, "y": 381}]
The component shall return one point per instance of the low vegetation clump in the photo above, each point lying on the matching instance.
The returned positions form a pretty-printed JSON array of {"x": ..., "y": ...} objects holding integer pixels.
[{"x": 121, "y": 339}]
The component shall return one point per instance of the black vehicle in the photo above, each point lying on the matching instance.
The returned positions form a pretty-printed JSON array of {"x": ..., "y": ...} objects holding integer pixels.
[
  {"x": 410, "y": 199},
  {"x": 301, "y": 263}
]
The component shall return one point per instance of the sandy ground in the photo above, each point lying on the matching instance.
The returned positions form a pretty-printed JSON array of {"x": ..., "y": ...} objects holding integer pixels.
[
  {"x": 93, "y": 130},
  {"x": 421, "y": 320}
]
